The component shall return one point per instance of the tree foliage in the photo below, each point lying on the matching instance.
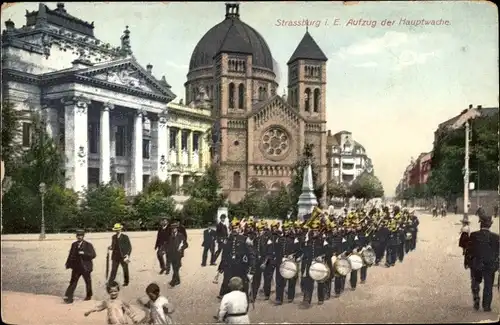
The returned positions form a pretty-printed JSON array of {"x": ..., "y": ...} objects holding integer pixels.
[
  {"x": 10, "y": 132},
  {"x": 367, "y": 186},
  {"x": 338, "y": 189},
  {"x": 446, "y": 179}
]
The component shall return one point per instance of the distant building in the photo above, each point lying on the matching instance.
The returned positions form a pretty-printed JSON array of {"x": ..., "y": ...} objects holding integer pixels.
[{"x": 347, "y": 159}]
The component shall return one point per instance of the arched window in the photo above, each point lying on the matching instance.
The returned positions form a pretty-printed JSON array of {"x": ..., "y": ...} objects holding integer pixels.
[
  {"x": 307, "y": 99},
  {"x": 316, "y": 100},
  {"x": 231, "y": 95},
  {"x": 241, "y": 96},
  {"x": 236, "y": 180}
]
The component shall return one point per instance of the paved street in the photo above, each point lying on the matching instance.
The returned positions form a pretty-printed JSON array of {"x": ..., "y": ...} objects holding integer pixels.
[{"x": 431, "y": 284}]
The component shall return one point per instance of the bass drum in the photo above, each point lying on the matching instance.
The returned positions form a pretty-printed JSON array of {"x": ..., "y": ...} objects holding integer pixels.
[
  {"x": 342, "y": 266},
  {"x": 319, "y": 271},
  {"x": 369, "y": 256},
  {"x": 356, "y": 261},
  {"x": 288, "y": 269}
]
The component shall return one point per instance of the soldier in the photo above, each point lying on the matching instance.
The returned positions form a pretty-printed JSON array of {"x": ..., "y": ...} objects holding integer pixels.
[
  {"x": 401, "y": 237},
  {"x": 483, "y": 259},
  {"x": 352, "y": 248},
  {"x": 415, "y": 223},
  {"x": 79, "y": 261},
  {"x": 161, "y": 244},
  {"x": 333, "y": 248},
  {"x": 221, "y": 236},
  {"x": 313, "y": 251},
  {"x": 238, "y": 259},
  {"x": 287, "y": 246},
  {"x": 263, "y": 246},
  {"x": 361, "y": 242},
  {"x": 392, "y": 244},
  {"x": 121, "y": 249}
]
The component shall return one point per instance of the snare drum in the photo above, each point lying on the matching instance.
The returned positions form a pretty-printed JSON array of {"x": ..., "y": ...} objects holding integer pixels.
[
  {"x": 342, "y": 266},
  {"x": 356, "y": 261},
  {"x": 408, "y": 236},
  {"x": 369, "y": 256},
  {"x": 319, "y": 271},
  {"x": 288, "y": 269}
]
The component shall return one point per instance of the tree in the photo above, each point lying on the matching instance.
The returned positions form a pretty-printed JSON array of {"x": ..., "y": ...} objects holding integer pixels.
[
  {"x": 278, "y": 203},
  {"x": 205, "y": 197},
  {"x": 150, "y": 206},
  {"x": 157, "y": 185},
  {"x": 367, "y": 186},
  {"x": 336, "y": 189},
  {"x": 446, "y": 179},
  {"x": 103, "y": 206},
  {"x": 298, "y": 176},
  {"x": 254, "y": 202},
  {"x": 10, "y": 132}
]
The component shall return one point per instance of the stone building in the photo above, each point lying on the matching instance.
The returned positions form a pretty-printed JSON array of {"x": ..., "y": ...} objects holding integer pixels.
[
  {"x": 108, "y": 113},
  {"x": 347, "y": 159},
  {"x": 258, "y": 133}
]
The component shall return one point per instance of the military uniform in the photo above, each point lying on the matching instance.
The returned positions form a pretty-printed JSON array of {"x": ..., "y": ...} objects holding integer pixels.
[
  {"x": 287, "y": 246},
  {"x": 392, "y": 245},
  {"x": 238, "y": 259},
  {"x": 313, "y": 251},
  {"x": 263, "y": 245}
]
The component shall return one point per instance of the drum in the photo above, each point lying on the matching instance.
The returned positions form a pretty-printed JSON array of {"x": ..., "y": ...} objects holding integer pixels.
[
  {"x": 408, "y": 236},
  {"x": 319, "y": 271},
  {"x": 356, "y": 261},
  {"x": 342, "y": 266},
  {"x": 334, "y": 259},
  {"x": 288, "y": 268},
  {"x": 368, "y": 255}
]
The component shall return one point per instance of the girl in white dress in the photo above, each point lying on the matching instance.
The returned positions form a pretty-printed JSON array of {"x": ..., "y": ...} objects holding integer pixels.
[{"x": 159, "y": 308}]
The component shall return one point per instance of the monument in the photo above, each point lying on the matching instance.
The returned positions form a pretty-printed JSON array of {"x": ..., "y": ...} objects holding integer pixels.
[{"x": 307, "y": 200}]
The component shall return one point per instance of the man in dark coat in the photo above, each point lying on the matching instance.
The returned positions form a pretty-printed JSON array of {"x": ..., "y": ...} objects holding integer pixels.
[
  {"x": 120, "y": 248},
  {"x": 79, "y": 261},
  {"x": 161, "y": 246},
  {"x": 221, "y": 236},
  {"x": 482, "y": 256},
  {"x": 208, "y": 244},
  {"x": 175, "y": 251}
]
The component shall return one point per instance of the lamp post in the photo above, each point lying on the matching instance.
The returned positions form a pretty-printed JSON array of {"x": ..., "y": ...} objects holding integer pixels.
[{"x": 42, "y": 189}]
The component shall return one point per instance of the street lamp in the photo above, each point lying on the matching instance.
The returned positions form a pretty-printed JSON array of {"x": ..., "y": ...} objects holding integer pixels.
[{"x": 43, "y": 190}]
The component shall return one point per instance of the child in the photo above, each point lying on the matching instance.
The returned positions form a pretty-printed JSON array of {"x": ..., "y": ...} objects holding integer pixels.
[
  {"x": 117, "y": 309},
  {"x": 158, "y": 306}
]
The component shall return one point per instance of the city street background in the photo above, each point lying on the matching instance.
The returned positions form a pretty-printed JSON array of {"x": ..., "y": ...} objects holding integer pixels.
[{"x": 430, "y": 286}]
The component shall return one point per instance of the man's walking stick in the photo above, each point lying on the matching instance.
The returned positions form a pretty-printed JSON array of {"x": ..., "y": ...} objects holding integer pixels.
[{"x": 107, "y": 266}]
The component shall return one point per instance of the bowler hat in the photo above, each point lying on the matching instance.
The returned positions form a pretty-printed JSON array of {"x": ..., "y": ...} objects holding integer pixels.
[{"x": 80, "y": 232}]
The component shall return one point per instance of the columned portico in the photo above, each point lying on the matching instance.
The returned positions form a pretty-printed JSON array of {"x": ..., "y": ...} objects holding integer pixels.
[
  {"x": 162, "y": 147},
  {"x": 76, "y": 141},
  {"x": 105, "y": 144}
]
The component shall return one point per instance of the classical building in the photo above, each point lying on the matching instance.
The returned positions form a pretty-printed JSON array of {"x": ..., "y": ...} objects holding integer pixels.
[
  {"x": 189, "y": 150},
  {"x": 258, "y": 133},
  {"x": 347, "y": 159},
  {"x": 107, "y": 112}
]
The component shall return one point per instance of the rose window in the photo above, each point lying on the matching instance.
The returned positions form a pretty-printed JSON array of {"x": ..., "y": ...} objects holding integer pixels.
[{"x": 275, "y": 142}]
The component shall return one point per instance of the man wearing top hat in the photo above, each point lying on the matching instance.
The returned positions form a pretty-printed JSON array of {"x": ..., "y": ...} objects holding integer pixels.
[
  {"x": 79, "y": 261},
  {"x": 175, "y": 251},
  {"x": 120, "y": 248},
  {"x": 482, "y": 256}
]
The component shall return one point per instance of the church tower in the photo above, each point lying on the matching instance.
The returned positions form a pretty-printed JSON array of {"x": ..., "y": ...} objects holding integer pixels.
[{"x": 307, "y": 94}]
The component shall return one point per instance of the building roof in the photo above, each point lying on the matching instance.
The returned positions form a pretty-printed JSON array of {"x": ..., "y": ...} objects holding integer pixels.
[
  {"x": 485, "y": 112},
  {"x": 59, "y": 17},
  {"x": 231, "y": 36},
  {"x": 308, "y": 49}
]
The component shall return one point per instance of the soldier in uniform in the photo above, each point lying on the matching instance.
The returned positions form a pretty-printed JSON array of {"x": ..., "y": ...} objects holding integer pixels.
[
  {"x": 352, "y": 248},
  {"x": 263, "y": 245},
  {"x": 401, "y": 234},
  {"x": 361, "y": 242},
  {"x": 392, "y": 244},
  {"x": 286, "y": 246},
  {"x": 415, "y": 223},
  {"x": 313, "y": 251},
  {"x": 238, "y": 259},
  {"x": 482, "y": 255}
]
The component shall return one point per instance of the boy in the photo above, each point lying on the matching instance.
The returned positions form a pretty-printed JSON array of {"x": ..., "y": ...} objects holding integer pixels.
[
  {"x": 117, "y": 309},
  {"x": 158, "y": 306}
]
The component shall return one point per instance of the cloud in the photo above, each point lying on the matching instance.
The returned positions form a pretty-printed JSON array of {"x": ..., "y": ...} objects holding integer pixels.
[
  {"x": 374, "y": 45},
  {"x": 176, "y": 66},
  {"x": 366, "y": 64},
  {"x": 409, "y": 58}
]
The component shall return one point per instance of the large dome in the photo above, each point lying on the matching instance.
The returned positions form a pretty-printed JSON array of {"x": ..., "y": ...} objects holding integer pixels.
[{"x": 231, "y": 35}]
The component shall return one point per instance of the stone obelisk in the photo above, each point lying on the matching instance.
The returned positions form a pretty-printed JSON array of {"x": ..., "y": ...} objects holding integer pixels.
[{"x": 307, "y": 200}]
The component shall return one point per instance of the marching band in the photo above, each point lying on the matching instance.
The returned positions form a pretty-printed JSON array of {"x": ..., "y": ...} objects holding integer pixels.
[{"x": 325, "y": 248}]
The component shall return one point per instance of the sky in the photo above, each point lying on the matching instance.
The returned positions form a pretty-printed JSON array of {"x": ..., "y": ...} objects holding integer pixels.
[{"x": 388, "y": 85}]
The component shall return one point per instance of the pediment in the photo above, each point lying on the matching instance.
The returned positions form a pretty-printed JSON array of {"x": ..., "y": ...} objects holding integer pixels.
[
  {"x": 128, "y": 73},
  {"x": 275, "y": 109}
]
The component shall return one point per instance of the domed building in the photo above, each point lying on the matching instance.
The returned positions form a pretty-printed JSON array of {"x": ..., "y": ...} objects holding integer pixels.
[{"x": 258, "y": 134}]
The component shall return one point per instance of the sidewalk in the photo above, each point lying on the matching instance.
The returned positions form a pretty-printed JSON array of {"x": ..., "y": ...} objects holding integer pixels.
[{"x": 26, "y": 308}]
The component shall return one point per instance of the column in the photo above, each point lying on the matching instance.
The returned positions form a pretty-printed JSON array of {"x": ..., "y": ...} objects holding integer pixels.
[
  {"x": 105, "y": 144},
  {"x": 50, "y": 116},
  {"x": 179, "y": 146},
  {"x": 136, "y": 176},
  {"x": 76, "y": 141},
  {"x": 190, "y": 148},
  {"x": 162, "y": 146}
]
